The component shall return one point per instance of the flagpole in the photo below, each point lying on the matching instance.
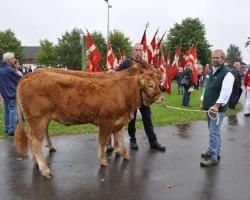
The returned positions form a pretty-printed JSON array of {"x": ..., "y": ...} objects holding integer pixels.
[
  {"x": 109, "y": 6},
  {"x": 83, "y": 56}
]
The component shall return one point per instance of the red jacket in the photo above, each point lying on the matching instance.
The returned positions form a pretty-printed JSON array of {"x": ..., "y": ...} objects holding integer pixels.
[{"x": 247, "y": 79}]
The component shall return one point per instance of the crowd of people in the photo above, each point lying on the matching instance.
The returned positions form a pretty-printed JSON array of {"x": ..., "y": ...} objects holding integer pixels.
[{"x": 221, "y": 89}]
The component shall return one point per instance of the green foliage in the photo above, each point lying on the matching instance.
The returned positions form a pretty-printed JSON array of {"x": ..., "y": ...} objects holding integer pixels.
[
  {"x": 233, "y": 54},
  {"x": 248, "y": 42},
  {"x": 69, "y": 49},
  {"x": 189, "y": 32},
  {"x": 47, "y": 54},
  {"x": 120, "y": 43},
  {"x": 9, "y": 43}
]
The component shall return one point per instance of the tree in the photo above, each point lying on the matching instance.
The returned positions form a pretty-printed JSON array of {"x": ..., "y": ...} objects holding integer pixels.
[
  {"x": 233, "y": 54},
  {"x": 248, "y": 42},
  {"x": 120, "y": 43},
  {"x": 69, "y": 49},
  {"x": 9, "y": 43},
  {"x": 189, "y": 32},
  {"x": 47, "y": 54}
]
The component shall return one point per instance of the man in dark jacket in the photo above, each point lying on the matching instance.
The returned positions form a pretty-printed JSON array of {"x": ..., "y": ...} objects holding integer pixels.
[
  {"x": 145, "y": 110},
  {"x": 187, "y": 83},
  {"x": 218, "y": 88},
  {"x": 8, "y": 82}
]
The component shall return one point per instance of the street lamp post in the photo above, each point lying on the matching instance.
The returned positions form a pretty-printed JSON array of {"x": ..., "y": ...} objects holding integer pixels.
[{"x": 109, "y": 6}]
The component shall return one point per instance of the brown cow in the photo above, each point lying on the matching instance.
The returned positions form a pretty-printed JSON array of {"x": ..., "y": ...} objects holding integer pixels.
[
  {"x": 136, "y": 68},
  {"x": 70, "y": 99}
]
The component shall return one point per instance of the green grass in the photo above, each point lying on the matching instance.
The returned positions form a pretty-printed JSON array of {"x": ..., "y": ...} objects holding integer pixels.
[{"x": 161, "y": 115}]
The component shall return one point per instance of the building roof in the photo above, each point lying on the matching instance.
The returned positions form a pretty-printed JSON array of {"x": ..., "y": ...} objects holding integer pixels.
[{"x": 30, "y": 52}]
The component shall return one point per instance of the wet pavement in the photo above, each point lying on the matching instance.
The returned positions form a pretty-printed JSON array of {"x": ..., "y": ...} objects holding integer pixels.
[{"x": 149, "y": 175}]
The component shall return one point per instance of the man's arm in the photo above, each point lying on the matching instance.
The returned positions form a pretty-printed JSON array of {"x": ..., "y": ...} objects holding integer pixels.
[{"x": 124, "y": 65}]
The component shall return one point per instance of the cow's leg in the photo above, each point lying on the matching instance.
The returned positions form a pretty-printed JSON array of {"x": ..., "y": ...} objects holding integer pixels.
[
  {"x": 109, "y": 145},
  {"x": 119, "y": 138},
  {"x": 49, "y": 143},
  {"x": 30, "y": 146},
  {"x": 42, "y": 164},
  {"x": 104, "y": 134},
  {"x": 116, "y": 144},
  {"x": 38, "y": 130}
]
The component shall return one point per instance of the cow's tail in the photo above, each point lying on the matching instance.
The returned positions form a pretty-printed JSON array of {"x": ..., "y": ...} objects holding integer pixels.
[{"x": 21, "y": 138}]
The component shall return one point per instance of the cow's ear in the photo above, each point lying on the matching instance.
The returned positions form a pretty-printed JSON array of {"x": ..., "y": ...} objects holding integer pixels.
[{"x": 141, "y": 82}]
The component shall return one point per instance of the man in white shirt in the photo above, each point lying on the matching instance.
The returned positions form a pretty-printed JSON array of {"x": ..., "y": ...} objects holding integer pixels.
[{"x": 217, "y": 91}]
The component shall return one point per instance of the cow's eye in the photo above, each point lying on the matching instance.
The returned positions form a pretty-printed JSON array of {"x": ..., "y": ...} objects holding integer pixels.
[{"x": 151, "y": 85}]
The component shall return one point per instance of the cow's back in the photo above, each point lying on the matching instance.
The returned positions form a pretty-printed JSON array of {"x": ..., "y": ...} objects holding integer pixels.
[{"x": 74, "y": 100}]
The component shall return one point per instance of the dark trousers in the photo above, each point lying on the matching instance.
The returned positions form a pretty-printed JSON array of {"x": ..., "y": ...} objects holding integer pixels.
[
  {"x": 186, "y": 97},
  {"x": 147, "y": 123}
]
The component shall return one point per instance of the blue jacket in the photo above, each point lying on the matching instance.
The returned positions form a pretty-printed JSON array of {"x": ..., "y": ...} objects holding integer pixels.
[{"x": 8, "y": 81}]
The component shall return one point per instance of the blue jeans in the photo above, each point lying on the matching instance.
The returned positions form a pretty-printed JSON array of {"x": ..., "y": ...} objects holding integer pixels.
[
  {"x": 10, "y": 116},
  {"x": 214, "y": 147}
]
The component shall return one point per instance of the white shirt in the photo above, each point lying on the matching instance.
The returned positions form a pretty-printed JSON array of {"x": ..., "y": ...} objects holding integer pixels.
[{"x": 226, "y": 88}]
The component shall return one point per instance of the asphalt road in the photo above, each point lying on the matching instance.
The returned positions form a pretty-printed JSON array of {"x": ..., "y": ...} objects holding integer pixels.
[{"x": 148, "y": 175}]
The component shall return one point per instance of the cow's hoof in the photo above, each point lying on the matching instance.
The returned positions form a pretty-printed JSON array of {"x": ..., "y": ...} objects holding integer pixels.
[
  {"x": 126, "y": 157},
  {"x": 118, "y": 153},
  {"x": 104, "y": 163},
  {"x": 52, "y": 150},
  {"x": 109, "y": 151},
  {"x": 47, "y": 175}
]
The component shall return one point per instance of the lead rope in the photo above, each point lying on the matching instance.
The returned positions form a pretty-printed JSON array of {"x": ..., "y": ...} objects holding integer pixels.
[{"x": 211, "y": 114}]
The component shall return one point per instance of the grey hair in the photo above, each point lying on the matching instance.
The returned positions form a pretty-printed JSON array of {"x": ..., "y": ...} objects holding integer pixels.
[
  {"x": 222, "y": 54},
  {"x": 7, "y": 56}
]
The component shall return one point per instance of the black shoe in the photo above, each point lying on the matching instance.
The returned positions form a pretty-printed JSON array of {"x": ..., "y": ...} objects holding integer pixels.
[
  {"x": 11, "y": 134},
  {"x": 247, "y": 114},
  {"x": 208, "y": 156},
  {"x": 158, "y": 147},
  {"x": 209, "y": 163},
  {"x": 134, "y": 145}
]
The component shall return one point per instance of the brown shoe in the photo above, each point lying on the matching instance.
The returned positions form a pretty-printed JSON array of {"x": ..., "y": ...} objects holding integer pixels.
[{"x": 209, "y": 163}]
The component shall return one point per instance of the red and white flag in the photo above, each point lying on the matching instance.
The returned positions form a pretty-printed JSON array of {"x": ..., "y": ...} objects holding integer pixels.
[
  {"x": 145, "y": 47},
  {"x": 174, "y": 68},
  {"x": 157, "y": 51},
  {"x": 192, "y": 58},
  {"x": 163, "y": 63},
  {"x": 122, "y": 57},
  {"x": 151, "y": 49},
  {"x": 167, "y": 81},
  {"x": 112, "y": 61},
  {"x": 92, "y": 54}
]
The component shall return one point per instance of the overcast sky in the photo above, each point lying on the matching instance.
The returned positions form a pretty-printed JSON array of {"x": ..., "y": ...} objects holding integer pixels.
[{"x": 226, "y": 21}]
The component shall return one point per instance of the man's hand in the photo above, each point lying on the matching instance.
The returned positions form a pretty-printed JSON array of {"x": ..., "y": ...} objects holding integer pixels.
[
  {"x": 110, "y": 71},
  {"x": 215, "y": 107}
]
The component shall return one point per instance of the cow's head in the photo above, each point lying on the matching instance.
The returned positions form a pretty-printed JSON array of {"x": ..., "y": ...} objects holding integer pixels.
[
  {"x": 150, "y": 88},
  {"x": 143, "y": 67}
]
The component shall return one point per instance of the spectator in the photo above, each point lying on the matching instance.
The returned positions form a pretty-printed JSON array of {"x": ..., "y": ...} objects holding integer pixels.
[
  {"x": 235, "y": 70},
  {"x": 199, "y": 70},
  {"x": 214, "y": 99},
  {"x": 187, "y": 82},
  {"x": 8, "y": 82},
  {"x": 179, "y": 78},
  {"x": 247, "y": 89}
]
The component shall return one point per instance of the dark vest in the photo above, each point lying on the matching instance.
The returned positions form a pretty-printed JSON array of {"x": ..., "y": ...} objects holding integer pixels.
[{"x": 213, "y": 88}]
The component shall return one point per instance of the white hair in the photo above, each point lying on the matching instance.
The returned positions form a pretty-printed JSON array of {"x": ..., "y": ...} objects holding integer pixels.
[{"x": 7, "y": 56}]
